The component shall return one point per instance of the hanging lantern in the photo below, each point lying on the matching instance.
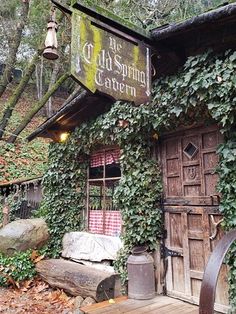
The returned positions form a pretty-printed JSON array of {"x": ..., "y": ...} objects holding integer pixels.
[{"x": 50, "y": 50}]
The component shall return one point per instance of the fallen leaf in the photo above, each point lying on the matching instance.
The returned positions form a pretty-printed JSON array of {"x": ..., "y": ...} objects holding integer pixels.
[
  {"x": 26, "y": 285},
  {"x": 34, "y": 255},
  {"x": 41, "y": 287},
  {"x": 39, "y": 258}
]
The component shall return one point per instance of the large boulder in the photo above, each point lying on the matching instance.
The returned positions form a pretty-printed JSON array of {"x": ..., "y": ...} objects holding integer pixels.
[
  {"x": 23, "y": 234},
  {"x": 90, "y": 247}
]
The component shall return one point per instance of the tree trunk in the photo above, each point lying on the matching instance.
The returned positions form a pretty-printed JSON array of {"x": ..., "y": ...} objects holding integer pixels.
[
  {"x": 74, "y": 94},
  {"x": 14, "y": 43},
  {"x": 41, "y": 79},
  {"x": 36, "y": 107},
  {"x": 78, "y": 279},
  {"x": 55, "y": 71},
  {"x": 37, "y": 80},
  {"x": 17, "y": 94}
]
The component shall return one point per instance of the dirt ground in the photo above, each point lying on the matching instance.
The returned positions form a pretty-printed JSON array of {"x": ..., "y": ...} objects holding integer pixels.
[{"x": 35, "y": 297}]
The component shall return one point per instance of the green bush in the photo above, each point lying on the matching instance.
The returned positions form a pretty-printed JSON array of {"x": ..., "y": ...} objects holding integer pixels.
[{"x": 16, "y": 268}]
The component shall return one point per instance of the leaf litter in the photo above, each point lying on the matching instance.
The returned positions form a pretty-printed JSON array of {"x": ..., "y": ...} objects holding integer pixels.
[{"x": 35, "y": 297}]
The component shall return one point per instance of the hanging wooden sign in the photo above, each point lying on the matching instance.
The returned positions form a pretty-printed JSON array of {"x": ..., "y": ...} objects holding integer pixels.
[{"x": 104, "y": 61}]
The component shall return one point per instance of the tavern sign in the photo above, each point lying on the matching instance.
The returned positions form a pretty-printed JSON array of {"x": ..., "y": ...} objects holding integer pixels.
[{"x": 104, "y": 61}]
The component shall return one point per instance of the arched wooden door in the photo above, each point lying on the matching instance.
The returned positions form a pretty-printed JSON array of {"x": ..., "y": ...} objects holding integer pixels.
[{"x": 191, "y": 205}]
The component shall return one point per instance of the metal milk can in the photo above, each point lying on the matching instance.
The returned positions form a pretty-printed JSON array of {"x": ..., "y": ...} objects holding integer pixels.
[{"x": 141, "y": 280}]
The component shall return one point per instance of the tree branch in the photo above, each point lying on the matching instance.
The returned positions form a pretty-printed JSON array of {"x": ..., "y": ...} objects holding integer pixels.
[{"x": 36, "y": 107}]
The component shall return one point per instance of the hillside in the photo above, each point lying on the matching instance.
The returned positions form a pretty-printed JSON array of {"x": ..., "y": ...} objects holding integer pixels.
[{"x": 22, "y": 159}]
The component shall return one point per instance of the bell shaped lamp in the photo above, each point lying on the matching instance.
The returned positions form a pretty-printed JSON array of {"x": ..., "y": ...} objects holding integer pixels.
[{"x": 50, "y": 50}]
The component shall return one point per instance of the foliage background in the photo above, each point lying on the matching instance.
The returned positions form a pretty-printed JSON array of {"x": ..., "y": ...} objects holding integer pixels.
[{"x": 149, "y": 14}]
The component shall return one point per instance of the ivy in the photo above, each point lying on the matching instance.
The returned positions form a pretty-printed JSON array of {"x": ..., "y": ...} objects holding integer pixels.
[
  {"x": 205, "y": 84},
  {"x": 16, "y": 268},
  {"x": 227, "y": 188},
  {"x": 202, "y": 90},
  {"x": 64, "y": 190},
  {"x": 138, "y": 198},
  {"x": 137, "y": 195}
]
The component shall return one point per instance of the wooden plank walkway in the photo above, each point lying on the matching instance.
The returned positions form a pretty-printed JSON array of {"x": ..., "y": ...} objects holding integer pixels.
[{"x": 158, "y": 305}]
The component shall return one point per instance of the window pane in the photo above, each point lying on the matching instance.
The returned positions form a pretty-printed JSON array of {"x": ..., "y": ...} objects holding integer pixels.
[
  {"x": 113, "y": 171},
  {"x": 96, "y": 172},
  {"x": 95, "y": 196},
  {"x": 110, "y": 189}
]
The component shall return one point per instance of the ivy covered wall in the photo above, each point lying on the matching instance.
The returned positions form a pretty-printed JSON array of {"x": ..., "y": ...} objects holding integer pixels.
[
  {"x": 202, "y": 91},
  {"x": 138, "y": 193}
]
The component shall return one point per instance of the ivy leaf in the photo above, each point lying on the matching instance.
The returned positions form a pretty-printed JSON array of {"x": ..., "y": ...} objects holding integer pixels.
[
  {"x": 233, "y": 56},
  {"x": 176, "y": 110}
]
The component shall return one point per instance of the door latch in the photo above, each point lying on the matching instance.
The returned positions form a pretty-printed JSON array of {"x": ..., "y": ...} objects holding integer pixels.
[{"x": 165, "y": 252}]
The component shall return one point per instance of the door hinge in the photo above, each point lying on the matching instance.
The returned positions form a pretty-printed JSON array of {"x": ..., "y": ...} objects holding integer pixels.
[
  {"x": 164, "y": 234},
  {"x": 165, "y": 252}
]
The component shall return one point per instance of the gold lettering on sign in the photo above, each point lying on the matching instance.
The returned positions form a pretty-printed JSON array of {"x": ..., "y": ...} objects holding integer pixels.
[{"x": 110, "y": 61}]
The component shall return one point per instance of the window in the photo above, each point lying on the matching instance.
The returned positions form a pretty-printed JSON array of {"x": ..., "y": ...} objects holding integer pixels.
[
  {"x": 190, "y": 150},
  {"x": 103, "y": 177}
]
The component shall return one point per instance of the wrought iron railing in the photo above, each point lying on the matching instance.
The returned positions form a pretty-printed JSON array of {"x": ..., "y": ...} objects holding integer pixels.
[{"x": 26, "y": 209}]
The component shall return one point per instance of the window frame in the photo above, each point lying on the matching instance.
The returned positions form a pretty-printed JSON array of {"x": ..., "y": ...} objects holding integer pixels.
[{"x": 104, "y": 180}]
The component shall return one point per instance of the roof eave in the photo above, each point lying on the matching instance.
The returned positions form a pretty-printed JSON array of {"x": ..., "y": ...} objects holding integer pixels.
[
  {"x": 20, "y": 181},
  {"x": 57, "y": 116},
  {"x": 211, "y": 17},
  {"x": 74, "y": 112}
]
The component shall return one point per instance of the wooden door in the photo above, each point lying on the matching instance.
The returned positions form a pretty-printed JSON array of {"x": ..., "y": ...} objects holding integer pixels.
[{"x": 191, "y": 206}]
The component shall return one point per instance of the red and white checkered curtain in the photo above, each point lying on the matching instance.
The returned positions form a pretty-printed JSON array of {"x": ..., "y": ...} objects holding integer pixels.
[
  {"x": 98, "y": 159},
  {"x": 112, "y": 222}
]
